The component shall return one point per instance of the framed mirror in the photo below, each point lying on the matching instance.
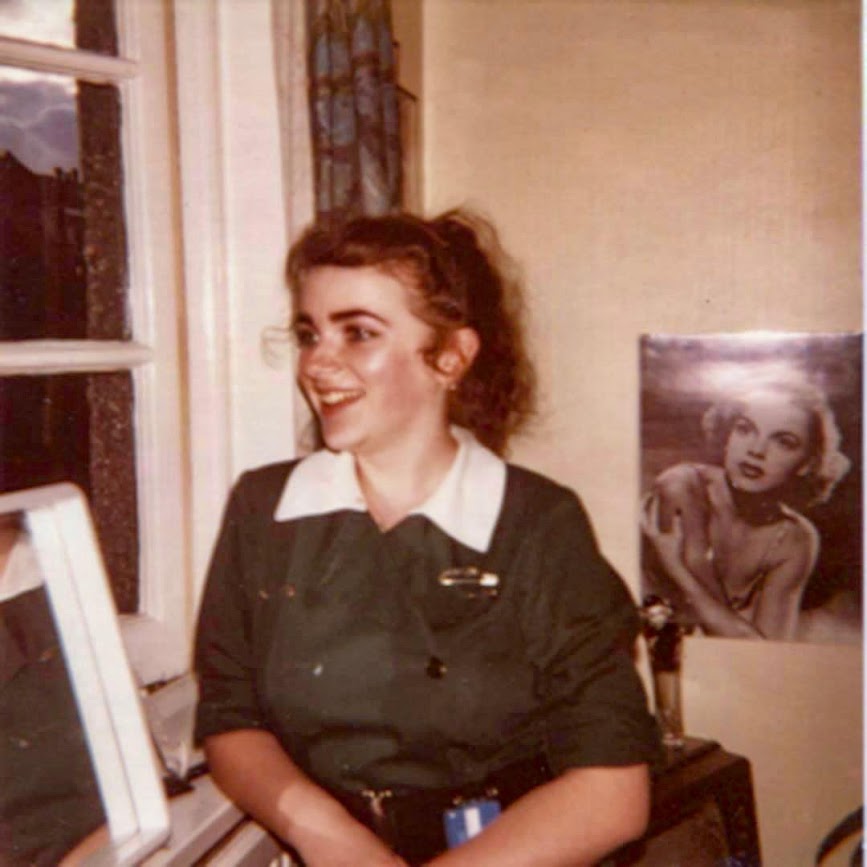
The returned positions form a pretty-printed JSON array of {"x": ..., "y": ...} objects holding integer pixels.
[{"x": 77, "y": 769}]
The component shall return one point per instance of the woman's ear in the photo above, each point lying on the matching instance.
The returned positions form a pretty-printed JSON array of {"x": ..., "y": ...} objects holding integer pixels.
[{"x": 457, "y": 355}]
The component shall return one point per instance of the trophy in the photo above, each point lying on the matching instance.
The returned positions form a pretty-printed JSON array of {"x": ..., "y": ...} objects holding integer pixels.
[{"x": 664, "y": 634}]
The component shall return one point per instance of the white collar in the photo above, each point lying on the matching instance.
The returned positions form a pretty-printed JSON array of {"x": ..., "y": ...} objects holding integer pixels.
[{"x": 466, "y": 504}]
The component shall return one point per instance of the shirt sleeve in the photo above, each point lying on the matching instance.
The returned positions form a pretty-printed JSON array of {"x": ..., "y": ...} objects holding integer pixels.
[
  {"x": 580, "y": 625},
  {"x": 223, "y": 651}
]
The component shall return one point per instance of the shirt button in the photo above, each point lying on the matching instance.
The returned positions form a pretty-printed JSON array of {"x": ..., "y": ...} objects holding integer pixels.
[{"x": 436, "y": 668}]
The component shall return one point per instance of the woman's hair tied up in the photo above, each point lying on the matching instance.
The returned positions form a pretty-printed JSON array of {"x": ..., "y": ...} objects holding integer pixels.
[{"x": 458, "y": 275}]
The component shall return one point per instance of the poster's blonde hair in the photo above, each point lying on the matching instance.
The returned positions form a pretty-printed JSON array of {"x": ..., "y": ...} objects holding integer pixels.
[{"x": 825, "y": 464}]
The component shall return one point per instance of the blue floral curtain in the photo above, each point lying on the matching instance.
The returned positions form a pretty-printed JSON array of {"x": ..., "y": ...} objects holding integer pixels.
[{"x": 354, "y": 111}]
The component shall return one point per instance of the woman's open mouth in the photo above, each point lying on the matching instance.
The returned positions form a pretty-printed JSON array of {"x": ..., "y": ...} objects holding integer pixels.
[
  {"x": 750, "y": 471},
  {"x": 331, "y": 401}
]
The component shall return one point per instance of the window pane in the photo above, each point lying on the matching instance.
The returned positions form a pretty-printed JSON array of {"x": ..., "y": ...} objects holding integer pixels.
[
  {"x": 87, "y": 24},
  {"x": 62, "y": 235},
  {"x": 78, "y": 428}
]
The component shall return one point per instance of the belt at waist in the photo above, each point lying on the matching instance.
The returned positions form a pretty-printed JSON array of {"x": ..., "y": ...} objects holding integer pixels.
[{"x": 411, "y": 821}]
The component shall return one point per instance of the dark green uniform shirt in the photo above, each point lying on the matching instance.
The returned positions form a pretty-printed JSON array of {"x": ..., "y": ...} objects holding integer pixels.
[{"x": 343, "y": 641}]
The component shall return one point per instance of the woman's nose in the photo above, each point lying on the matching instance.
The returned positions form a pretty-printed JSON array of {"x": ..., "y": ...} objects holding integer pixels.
[
  {"x": 758, "y": 447},
  {"x": 319, "y": 358}
]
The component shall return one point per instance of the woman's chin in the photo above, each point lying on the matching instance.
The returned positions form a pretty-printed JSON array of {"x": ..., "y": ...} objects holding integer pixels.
[
  {"x": 747, "y": 488},
  {"x": 756, "y": 487},
  {"x": 337, "y": 440}
]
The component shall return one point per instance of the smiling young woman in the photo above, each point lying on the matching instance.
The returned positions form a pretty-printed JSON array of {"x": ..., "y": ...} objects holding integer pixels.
[{"x": 402, "y": 621}]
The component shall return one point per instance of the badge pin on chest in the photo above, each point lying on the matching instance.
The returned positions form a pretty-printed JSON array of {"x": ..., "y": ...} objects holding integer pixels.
[{"x": 470, "y": 581}]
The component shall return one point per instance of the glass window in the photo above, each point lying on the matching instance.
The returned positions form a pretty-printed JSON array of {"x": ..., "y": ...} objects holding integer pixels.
[
  {"x": 64, "y": 276},
  {"x": 78, "y": 428},
  {"x": 89, "y": 25},
  {"x": 62, "y": 257}
]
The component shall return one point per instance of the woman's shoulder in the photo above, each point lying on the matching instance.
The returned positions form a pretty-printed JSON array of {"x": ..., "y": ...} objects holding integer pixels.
[
  {"x": 532, "y": 499},
  {"x": 796, "y": 544},
  {"x": 688, "y": 475},
  {"x": 537, "y": 488},
  {"x": 688, "y": 486},
  {"x": 266, "y": 474},
  {"x": 263, "y": 485},
  {"x": 802, "y": 531}
]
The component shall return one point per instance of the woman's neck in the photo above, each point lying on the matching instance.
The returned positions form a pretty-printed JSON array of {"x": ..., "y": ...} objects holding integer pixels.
[
  {"x": 756, "y": 509},
  {"x": 395, "y": 482}
]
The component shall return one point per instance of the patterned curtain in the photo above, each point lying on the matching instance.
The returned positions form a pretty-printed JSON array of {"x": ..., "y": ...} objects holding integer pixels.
[{"x": 353, "y": 108}]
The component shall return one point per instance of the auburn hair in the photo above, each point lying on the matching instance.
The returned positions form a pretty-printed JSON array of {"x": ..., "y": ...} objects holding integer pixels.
[{"x": 458, "y": 276}]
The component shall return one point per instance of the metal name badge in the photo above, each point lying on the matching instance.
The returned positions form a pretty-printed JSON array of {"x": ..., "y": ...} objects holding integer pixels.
[
  {"x": 463, "y": 822},
  {"x": 471, "y": 581}
]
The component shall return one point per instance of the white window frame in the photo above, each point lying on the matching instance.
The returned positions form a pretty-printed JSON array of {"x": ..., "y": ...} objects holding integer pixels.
[
  {"x": 236, "y": 230},
  {"x": 207, "y": 230},
  {"x": 157, "y": 636}
]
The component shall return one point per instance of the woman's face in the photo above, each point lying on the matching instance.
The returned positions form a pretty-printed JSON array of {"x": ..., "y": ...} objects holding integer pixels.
[
  {"x": 768, "y": 443},
  {"x": 361, "y": 362}
]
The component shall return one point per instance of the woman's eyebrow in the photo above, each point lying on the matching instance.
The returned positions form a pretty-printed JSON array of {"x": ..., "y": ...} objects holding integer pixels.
[
  {"x": 354, "y": 312},
  {"x": 303, "y": 318}
]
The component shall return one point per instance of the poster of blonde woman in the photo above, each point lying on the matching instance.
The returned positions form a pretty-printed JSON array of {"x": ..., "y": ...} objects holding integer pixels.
[{"x": 750, "y": 515}]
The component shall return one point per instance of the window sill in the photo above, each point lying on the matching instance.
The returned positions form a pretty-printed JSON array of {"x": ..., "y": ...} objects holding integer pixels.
[
  {"x": 200, "y": 820},
  {"x": 155, "y": 654}
]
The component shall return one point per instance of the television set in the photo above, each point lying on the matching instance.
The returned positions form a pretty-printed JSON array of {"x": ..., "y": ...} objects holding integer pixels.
[{"x": 703, "y": 812}]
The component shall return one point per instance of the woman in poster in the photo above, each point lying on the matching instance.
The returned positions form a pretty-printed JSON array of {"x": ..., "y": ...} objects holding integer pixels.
[{"x": 728, "y": 540}]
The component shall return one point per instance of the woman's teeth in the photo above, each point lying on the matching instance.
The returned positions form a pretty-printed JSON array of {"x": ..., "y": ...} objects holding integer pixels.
[{"x": 332, "y": 398}]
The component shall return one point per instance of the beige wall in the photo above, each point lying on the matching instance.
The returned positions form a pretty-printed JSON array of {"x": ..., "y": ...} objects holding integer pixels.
[
  {"x": 669, "y": 166},
  {"x": 408, "y": 33},
  {"x": 406, "y": 16}
]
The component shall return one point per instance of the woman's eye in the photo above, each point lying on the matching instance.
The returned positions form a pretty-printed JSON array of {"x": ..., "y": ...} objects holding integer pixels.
[
  {"x": 742, "y": 426},
  {"x": 359, "y": 334},
  {"x": 304, "y": 337},
  {"x": 788, "y": 442}
]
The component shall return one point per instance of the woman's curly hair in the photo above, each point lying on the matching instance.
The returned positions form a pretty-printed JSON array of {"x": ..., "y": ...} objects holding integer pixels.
[
  {"x": 459, "y": 276},
  {"x": 825, "y": 463}
]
